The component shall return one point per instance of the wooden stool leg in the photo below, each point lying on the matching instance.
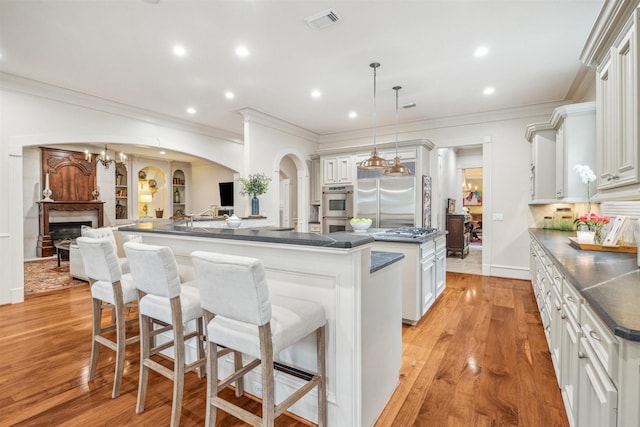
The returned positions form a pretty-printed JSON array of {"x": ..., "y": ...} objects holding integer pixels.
[
  {"x": 212, "y": 383},
  {"x": 322, "y": 371},
  {"x": 268, "y": 388},
  {"x": 200, "y": 346},
  {"x": 178, "y": 362},
  {"x": 145, "y": 342},
  {"x": 121, "y": 339},
  {"x": 96, "y": 328},
  {"x": 237, "y": 360}
]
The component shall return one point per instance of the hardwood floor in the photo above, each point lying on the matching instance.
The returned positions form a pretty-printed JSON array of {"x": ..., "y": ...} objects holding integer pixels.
[{"x": 478, "y": 358}]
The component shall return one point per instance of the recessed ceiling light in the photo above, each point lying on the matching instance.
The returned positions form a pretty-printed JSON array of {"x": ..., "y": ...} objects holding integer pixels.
[
  {"x": 163, "y": 152},
  {"x": 191, "y": 110},
  {"x": 481, "y": 51},
  {"x": 229, "y": 95},
  {"x": 179, "y": 50},
  {"x": 353, "y": 114},
  {"x": 316, "y": 93},
  {"x": 489, "y": 90},
  {"x": 242, "y": 51}
]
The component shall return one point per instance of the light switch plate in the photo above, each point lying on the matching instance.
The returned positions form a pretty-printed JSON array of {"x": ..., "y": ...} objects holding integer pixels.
[{"x": 498, "y": 216}]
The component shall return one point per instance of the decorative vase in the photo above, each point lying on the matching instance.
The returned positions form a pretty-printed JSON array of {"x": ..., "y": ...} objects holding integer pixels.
[
  {"x": 585, "y": 236},
  {"x": 255, "y": 206},
  {"x": 598, "y": 237}
]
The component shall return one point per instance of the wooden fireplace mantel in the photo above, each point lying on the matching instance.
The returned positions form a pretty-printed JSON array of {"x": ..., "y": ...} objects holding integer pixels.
[{"x": 45, "y": 245}]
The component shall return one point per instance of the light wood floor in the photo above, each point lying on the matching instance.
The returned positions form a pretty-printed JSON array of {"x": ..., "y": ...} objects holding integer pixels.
[{"x": 478, "y": 358}]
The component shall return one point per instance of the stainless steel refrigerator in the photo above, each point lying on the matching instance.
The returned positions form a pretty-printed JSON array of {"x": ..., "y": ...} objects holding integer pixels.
[{"x": 389, "y": 202}]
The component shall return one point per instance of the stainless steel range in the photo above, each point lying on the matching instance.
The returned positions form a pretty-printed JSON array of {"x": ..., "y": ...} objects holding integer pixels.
[{"x": 404, "y": 234}]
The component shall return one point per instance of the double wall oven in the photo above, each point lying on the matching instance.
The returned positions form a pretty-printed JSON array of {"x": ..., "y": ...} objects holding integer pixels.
[{"x": 337, "y": 208}]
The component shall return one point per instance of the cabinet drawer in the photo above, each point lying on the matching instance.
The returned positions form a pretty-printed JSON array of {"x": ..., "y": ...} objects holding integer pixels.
[
  {"x": 571, "y": 299},
  {"x": 605, "y": 345},
  {"x": 427, "y": 250}
]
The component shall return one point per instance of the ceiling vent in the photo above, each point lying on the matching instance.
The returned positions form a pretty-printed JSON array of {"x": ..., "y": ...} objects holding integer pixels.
[{"x": 322, "y": 19}]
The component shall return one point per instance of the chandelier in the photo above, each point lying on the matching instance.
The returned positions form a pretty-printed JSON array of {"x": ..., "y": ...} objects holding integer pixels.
[
  {"x": 374, "y": 162},
  {"x": 104, "y": 159},
  {"x": 397, "y": 169}
]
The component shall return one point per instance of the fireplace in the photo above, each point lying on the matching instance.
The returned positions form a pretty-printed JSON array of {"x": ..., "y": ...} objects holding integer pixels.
[
  {"x": 82, "y": 209},
  {"x": 60, "y": 231}
]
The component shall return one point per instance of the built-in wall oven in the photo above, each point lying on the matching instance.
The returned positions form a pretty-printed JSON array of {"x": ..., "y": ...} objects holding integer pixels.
[{"x": 337, "y": 208}]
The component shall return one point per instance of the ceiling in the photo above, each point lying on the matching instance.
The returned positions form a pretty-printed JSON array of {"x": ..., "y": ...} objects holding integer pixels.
[{"x": 122, "y": 51}]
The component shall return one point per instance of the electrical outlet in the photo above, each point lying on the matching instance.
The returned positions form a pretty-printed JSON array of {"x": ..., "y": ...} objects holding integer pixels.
[{"x": 498, "y": 216}]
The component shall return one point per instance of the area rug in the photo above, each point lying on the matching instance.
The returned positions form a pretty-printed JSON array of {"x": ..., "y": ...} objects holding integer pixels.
[{"x": 45, "y": 275}]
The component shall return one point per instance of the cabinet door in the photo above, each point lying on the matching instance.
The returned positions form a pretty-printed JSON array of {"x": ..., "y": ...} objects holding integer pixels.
[
  {"x": 598, "y": 397},
  {"x": 316, "y": 187},
  {"x": 626, "y": 154},
  {"x": 330, "y": 169},
  {"x": 605, "y": 124},
  {"x": 428, "y": 290},
  {"x": 441, "y": 265},
  {"x": 344, "y": 169},
  {"x": 569, "y": 365}
]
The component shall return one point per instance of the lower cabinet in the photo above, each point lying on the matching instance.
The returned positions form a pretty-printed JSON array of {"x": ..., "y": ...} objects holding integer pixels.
[
  {"x": 585, "y": 354},
  {"x": 428, "y": 277},
  {"x": 441, "y": 264}
]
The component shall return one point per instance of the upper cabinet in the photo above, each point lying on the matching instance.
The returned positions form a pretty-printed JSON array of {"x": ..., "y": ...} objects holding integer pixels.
[
  {"x": 315, "y": 181},
  {"x": 575, "y": 127},
  {"x": 337, "y": 170},
  {"x": 542, "y": 137},
  {"x": 568, "y": 139},
  {"x": 612, "y": 48}
]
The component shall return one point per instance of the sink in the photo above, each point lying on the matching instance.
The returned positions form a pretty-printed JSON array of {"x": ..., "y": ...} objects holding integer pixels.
[{"x": 272, "y": 228}]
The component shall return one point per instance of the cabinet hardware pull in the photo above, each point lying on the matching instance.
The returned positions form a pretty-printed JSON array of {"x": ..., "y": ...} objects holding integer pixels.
[
  {"x": 548, "y": 293},
  {"x": 548, "y": 328},
  {"x": 581, "y": 355},
  {"x": 594, "y": 335},
  {"x": 570, "y": 298},
  {"x": 563, "y": 316}
]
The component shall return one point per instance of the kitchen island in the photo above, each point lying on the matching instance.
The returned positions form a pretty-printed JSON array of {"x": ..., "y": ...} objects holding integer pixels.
[
  {"x": 424, "y": 274},
  {"x": 356, "y": 286}
]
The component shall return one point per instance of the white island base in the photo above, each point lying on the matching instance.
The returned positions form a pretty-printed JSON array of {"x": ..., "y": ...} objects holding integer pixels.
[{"x": 364, "y": 313}]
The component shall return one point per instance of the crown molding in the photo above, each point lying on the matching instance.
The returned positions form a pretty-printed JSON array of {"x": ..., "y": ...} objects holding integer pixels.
[
  {"x": 412, "y": 143},
  {"x": 251, "y": 114},
  {"x": 583, "y": 83},
  {"x": 512, "y": 113},
  {"x": 609, "y": 23},
  {"x": 14, "y": 83}
]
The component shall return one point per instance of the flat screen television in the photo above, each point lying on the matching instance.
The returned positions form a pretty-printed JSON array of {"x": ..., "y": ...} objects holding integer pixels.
[{"x": 226, "y": 193}]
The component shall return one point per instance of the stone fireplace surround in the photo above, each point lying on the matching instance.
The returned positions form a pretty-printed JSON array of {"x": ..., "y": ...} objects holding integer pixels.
[{"x": 64, "y": 212}]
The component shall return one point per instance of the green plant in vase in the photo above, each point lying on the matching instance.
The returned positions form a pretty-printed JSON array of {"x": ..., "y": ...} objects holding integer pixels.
[{"x": 255, "y": 185}]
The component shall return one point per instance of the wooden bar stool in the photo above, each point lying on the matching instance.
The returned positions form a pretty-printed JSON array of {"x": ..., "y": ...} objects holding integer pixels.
[
  {"x": 165, "y": 301},
  {"x": 241, "y": 316},
  {"x": 109, "y": 289}
]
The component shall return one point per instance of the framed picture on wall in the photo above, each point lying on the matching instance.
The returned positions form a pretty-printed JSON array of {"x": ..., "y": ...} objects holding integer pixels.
[
  {"x": 472, "y": 198},
  {"x": 426, "y": 201}
]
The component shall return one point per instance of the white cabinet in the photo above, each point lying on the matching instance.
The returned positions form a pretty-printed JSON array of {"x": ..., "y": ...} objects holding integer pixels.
[
  {"x": 618, "y": 100},
  {"x": 542, "y": 170},
  {"x": 315, "y": 181},
  {"x": 441, "y": 264},
  {"x": 314, "y": 228},
  {"x": 585, "y": 354},
  {"x": 337, "y": 170},
  {"x": 575, "y": 126},
  {"x": 420, "y": 282},
  {"x": 427, "y": 277}
]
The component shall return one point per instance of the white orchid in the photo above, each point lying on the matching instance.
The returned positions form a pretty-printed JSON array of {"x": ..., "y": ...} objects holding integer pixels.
[
  {"x": 587, "y": 177},
  {"x": 586, "y": 174}
]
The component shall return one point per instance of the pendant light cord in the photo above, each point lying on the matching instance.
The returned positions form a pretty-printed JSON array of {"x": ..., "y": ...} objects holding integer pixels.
[
  {"x": 375, "y": 66},
  {"x": 397, "y": 88}
]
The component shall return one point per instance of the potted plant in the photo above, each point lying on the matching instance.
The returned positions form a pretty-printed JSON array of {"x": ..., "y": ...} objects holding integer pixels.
[{"x": 255, "y": 185}]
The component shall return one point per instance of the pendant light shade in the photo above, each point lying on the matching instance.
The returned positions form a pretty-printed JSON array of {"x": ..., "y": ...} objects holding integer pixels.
[
  {"x": 374, "y": 162},
  {"x": 397, "y": 168}
]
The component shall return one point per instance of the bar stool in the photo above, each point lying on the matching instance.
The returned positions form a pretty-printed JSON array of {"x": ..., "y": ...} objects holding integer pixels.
[
  {"x": 109, "y": 289},
  {"x": 242, "y": 316},
  {"x": 107, "y": 233},
  {"x": 164, "y": 301}
]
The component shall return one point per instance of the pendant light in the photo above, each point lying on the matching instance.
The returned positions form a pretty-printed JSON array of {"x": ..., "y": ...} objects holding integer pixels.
[
  {"x": 397, "y": 169},
  {"x": 374, "y": 162}
]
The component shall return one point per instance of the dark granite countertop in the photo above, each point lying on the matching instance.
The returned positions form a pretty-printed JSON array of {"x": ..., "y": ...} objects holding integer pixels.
[
  {"x": 380, "y": 260},
  {"x": 608, "y": 281},
  {"x": 258, "y": 234}
]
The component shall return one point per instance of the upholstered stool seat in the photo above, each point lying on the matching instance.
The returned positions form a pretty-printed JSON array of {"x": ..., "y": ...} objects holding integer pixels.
[
  {"x": 109, "y": 289},
  {"x": 242, "y": 316},
  {"x": 164, "y": 300}
]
